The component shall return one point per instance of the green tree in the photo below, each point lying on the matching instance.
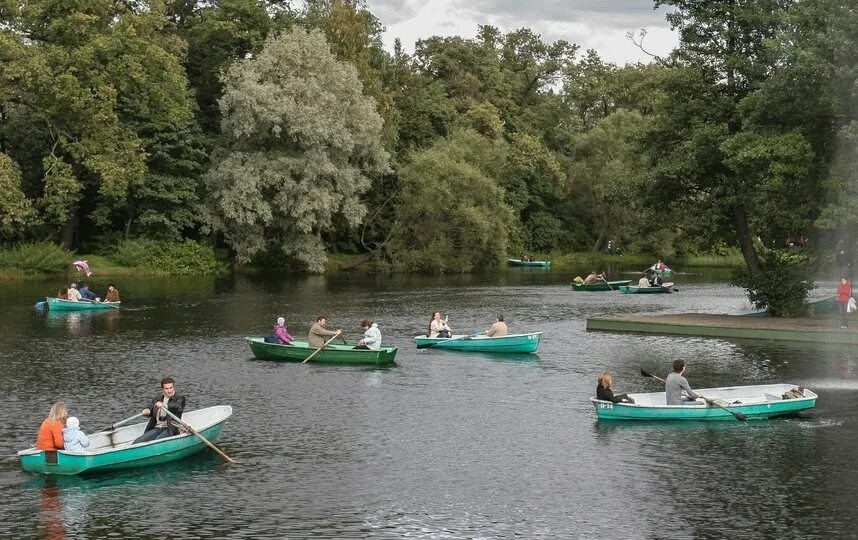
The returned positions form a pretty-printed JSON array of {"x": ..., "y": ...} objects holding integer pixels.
[
  {"x": 302, "y": 141},
  {"x": 452, "y": 216},
  {"x": 16, "y": 210}
]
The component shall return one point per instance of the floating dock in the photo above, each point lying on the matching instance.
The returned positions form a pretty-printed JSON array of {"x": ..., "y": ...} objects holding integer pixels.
[{"x": 728, "y": 326}]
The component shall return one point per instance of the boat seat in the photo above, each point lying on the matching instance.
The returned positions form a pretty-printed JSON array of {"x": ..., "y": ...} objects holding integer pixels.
[{"x": 772, "y": 397}]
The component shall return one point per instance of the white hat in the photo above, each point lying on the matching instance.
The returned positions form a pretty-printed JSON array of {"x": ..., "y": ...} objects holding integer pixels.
[
  {"x": 281, "y": 320},
  {"x": 72, "y": 421}
]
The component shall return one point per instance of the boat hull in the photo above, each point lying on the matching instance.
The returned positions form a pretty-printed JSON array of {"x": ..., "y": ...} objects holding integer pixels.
[
  {"x": 596, "y": 287},
  {"x": 332, "y": 354},
  {"x": 633, "y": 289},
  {"x": 55, "y": 304},
  {"x": 756, "y": 402},
  {"x": 113, "y": 450},
  {"x": 533, "y": 264},
  {"x": 513, "y": 343}
]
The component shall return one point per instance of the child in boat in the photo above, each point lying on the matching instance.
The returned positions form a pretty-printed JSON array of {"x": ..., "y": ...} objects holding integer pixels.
[
  {"x": 605, "y": 390},
  {"x": 73, "y": 437},
  {"x": 282, "y": 333}
]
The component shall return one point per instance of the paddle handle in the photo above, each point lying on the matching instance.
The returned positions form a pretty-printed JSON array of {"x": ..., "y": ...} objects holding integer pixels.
[
  {"x": 319, "y": 349},
  {"x": 115, "y": 425},
  {"x": 198, "y": 434}
]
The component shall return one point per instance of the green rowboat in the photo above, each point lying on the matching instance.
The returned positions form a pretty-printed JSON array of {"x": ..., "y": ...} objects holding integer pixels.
[
  {"x": 600, "y": 285},
  {"x": 55, "y": 304},
  {"x": 755, "y": 402},
  {"x": 630, "y": 289},
  {"x": 298, "y": 351},
  {"x": 113, "y": 450},
  {"x": 512, "y": 343},
  {"x": 532, "y": 264}
]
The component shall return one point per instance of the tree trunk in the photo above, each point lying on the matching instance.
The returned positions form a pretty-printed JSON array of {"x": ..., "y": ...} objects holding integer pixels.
[
  {"x": 740, "y": 221},
  {"x": 70, "y": 230},
  {"x": 600, "y": 241},
  {"x": 357, "y": 261}
]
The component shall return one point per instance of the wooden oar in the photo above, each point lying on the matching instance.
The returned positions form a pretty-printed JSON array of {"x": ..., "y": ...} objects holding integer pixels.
[
  {"x": 466, "y": 336},
  {"x": 711, "y": 402},
  {"x": 319, "y": 349},
  {"x": 606, "y": 283},
  {"x": 198, "y": 434},
  {"x": 113, "y": 426}
]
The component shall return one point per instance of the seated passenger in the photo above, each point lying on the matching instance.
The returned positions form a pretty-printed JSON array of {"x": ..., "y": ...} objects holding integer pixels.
[
  {"x": 438, "y": 327},
  {"x": 63, "y": 294},
  {"x": 498, "y": 329},
  {"x": 112, "y": 294},
  {"x": 87, "y": 294},
  {"x": 656, "y": 281},
  {"x": 51, "y": 431},
  {"x": 371, "y": 336},
  {"x": 73, "y": 437},
  {"x": 282, "y": 333},
  {"x": 605, "y": 390},
  {"x": 74, "y": 294},
  {"x": 643, "y": 282},
  {"x": 591, "y": 278}
]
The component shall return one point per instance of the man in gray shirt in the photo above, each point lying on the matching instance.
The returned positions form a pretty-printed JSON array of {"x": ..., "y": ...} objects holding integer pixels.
[{"x": 675, "y": 383}]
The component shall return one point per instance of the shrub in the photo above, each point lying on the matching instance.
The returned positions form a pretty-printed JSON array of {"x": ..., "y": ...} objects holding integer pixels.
[
  {"x": 186, "y": 258},
  {"x": 37, "y": 259},
  {"x": 781, "y": 285}
]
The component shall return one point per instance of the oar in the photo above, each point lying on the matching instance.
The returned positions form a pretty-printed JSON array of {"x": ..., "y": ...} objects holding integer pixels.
[
  {"x": 466, "y": 336},
  {"x": 319, "y": 349},
  {"x": 113, "y": 426},
  {"x": 739, "y": 416},
  {"x": 606, "y": 283},
  {"x": 198, "y": 434}
]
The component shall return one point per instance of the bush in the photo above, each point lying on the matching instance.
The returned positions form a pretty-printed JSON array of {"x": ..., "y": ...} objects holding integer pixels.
[
  {"x": 186, "y": 258},
  {"x": 37, "y": 259},
  {"x": 781, "y": 285}
]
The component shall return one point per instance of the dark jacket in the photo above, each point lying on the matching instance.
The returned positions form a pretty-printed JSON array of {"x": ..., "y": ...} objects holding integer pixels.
[
  {"x": 175, "y": 406},
  {"x": 606, "y": 394}
]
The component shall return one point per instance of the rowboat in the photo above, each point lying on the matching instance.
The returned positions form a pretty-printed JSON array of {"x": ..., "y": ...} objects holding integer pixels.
[
  {"x": 755, "y": 402},
  {"x": 634, "y": 289},
  {"x": 511, "y": 343},
  {"x": 519, "y": 262},
  {"x": 298, "y": 351},
  {"x": 55, "y": 304},
  {"x": 600, "y": 285},
  {"x": 822, "y": 305},
  {"x": 113, "y": 450}
]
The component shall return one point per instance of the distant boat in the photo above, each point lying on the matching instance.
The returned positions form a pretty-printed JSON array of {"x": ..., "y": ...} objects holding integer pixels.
[
  {"x": 298, "y": 351},
  {"x": 56, "y": 304},
  {"x": 600, "y": 285},
  {"x": 511, "y": 343},
  {"x": 755, "y": 402},
  {"x": 629, "y": 289},
  {"x": 113, "y": 450},
  {"x": 519, "y": 262}
]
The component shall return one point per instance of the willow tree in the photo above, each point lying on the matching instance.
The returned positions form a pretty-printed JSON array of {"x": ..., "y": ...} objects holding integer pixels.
[{"x": 302, "y": 142}]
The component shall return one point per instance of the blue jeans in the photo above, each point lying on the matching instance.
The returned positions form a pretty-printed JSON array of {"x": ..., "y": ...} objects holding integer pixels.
[{"x": 152, "y": 435}]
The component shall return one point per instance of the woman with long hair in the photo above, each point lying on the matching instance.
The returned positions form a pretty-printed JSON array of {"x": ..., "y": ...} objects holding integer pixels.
[
  {"x": 605, "y": 390},
  {"x": 438, "y": 327},
  {"x": 51, "y": 431}
]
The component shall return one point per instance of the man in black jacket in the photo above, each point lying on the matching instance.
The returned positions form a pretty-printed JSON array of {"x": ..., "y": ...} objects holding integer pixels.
[{"x": 160, "y": 425}]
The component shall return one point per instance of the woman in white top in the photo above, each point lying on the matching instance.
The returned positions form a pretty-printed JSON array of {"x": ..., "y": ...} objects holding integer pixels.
[{"x": 438, "y": 327}]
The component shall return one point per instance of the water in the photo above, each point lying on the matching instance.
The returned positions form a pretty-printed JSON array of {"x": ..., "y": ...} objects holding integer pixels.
[{"x": 445, "y": 444}]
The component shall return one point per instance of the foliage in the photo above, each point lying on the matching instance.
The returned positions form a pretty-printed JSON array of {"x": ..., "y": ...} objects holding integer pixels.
[
  {"x": 301, "y": 144},
  {"x": 452, "y": 216},
  {"x": 37, "y": 259},
  {"x": 781, "y": 285},
  {"x": 170, "y": 258},
  {"x": 16, "y": 210}
]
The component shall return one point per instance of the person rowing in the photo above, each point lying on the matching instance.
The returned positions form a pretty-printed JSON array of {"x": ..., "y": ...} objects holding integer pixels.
[
  {"x": 160, "y": 425},
  {"x": 675, "y": 384}
]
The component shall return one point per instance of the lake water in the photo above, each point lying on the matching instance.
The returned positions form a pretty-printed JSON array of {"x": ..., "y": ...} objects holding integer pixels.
[{"x": 443, "y": 445}]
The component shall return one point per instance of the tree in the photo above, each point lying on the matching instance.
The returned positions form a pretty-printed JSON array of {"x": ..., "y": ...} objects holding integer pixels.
[
  {"x": 16, "y": 210},
  {"x": 301, "y": 142},
  {"x": 452, "y": 216}
]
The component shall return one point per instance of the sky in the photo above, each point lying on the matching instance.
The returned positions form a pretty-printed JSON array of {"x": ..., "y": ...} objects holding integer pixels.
[{"x": 591, "y": 24}]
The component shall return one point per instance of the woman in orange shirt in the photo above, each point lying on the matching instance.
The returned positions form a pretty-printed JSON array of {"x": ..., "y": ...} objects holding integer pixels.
[{"x": 51, "y": 432}]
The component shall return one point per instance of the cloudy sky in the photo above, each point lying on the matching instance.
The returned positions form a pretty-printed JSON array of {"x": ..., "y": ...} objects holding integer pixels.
[{"x": 592, "y": 24}]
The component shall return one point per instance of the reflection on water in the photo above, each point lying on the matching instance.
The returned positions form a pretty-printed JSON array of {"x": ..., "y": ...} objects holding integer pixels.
[{"x": 446, "y": 443}]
